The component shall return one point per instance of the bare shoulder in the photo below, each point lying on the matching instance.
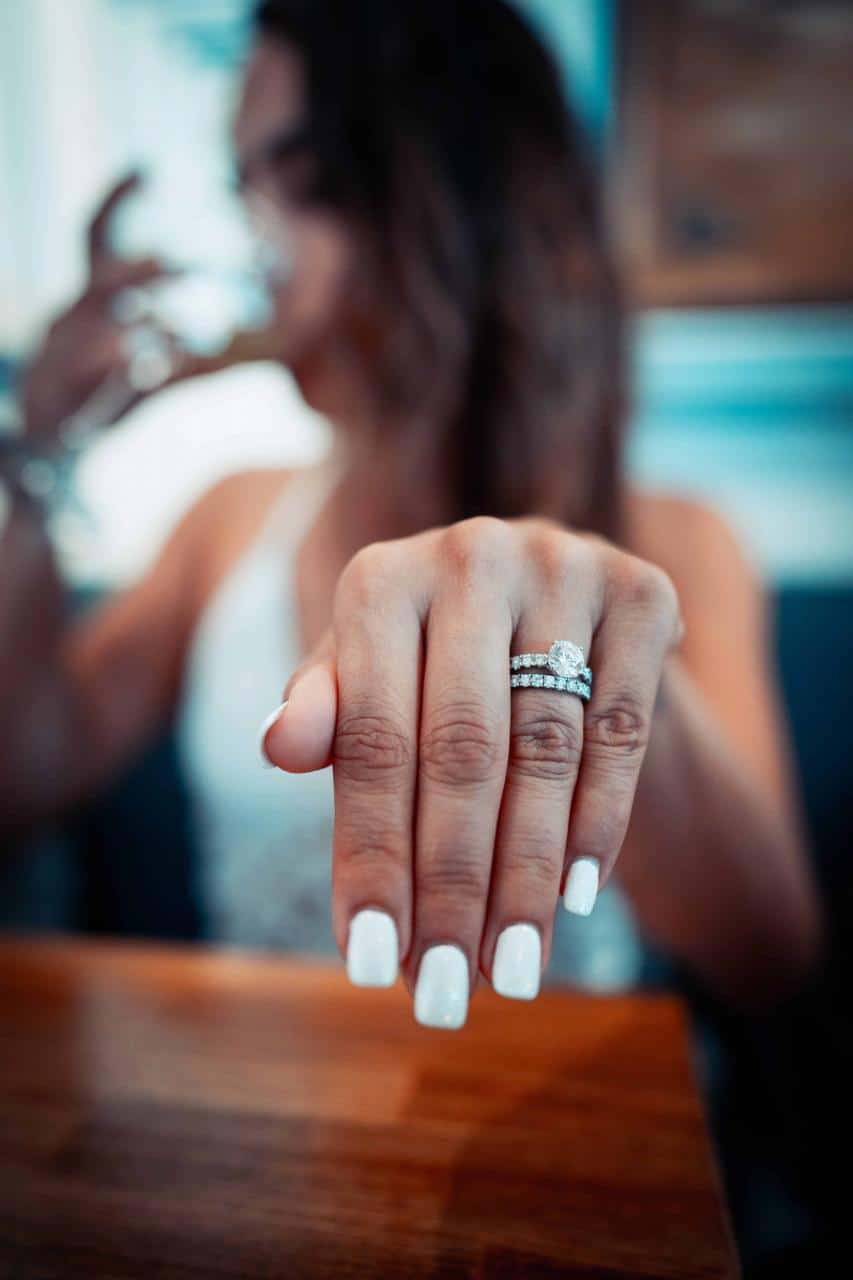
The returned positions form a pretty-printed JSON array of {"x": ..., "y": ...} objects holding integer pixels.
[
  {"x": 240, "y": 495},
  {"x": 691, "y": 541},
  {"x": 222, "y": 524}
]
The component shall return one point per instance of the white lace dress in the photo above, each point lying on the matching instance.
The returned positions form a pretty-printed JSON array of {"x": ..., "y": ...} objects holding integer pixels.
[{"x": 264, "y": 838}]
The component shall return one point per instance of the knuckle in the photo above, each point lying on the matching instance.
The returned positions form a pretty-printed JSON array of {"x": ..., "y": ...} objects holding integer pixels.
[
  {"x": 619, "y": 728},
  {"x": 552, "y": 552},
  {"x": 648, "y": 587},
  {"x": 546, "y": 748},
  {"x": 370, "y": 747},
  {"x": 476, "y": 546},
  {"x": 591, "y": 557},
  {"x": 370, "y": 847},
  {"x": 459, "y": 880},
  {"x": 660, "y": 593},
  {"x": 461, "y": 749},
  {"x": 368, "y": 577},
  {"x": 535, "y": 864}
]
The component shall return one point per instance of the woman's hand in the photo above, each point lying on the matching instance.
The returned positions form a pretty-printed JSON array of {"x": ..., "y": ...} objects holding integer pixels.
[
  {"x": 89, "y": 342},
  {"x": 462, "y": 808}
]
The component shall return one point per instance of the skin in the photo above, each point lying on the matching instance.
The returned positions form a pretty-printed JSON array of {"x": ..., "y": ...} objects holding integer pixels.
[
  {"x": 459, "y": 808},
  {"x": 86, "y": 345}
]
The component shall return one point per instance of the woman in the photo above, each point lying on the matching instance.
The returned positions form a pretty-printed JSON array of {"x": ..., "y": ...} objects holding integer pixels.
[{"x": 452, "y": 312}]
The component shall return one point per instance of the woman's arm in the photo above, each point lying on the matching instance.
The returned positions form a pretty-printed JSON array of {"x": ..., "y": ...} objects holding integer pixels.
[
  {"x": 79, "y": 700},
  {"x": 715, "y": 858}
]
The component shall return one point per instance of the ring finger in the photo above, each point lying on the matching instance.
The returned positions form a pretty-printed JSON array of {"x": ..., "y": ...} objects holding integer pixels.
[{"x": 546, "y": 743}]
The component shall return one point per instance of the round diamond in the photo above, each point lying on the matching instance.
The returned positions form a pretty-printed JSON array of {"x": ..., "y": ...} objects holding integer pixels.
[{"x": 565, "y": 658}]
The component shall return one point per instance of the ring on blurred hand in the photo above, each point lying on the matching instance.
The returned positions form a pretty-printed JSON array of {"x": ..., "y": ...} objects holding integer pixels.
[
  {"x": 131, "y": 306},
  {"x": 560, "y": 684},
  {"x": 563, "y": 659}
]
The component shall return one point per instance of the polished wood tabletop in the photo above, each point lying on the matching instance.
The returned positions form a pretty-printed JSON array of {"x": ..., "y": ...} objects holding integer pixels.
[{"x": 195, "y": 1114}]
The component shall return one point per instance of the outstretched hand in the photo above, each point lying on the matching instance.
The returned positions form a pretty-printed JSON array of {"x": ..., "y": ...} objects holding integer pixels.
[{"x": 462, "y": 808}]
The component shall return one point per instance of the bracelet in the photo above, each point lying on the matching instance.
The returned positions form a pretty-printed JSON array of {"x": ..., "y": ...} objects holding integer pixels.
[{"x": 37, "y": 473}]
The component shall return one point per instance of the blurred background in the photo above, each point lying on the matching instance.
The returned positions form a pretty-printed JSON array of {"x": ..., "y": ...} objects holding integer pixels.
[
  {"x": 724, "y": 130},
  {"x": 725, "y": 127}
]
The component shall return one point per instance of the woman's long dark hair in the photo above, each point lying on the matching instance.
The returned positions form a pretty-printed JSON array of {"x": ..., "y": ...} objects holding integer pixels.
[{"x": 440, "y": 128}]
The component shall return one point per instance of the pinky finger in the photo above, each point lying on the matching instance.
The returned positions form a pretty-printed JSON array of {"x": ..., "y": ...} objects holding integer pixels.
[{"x": 628, "y": 655}]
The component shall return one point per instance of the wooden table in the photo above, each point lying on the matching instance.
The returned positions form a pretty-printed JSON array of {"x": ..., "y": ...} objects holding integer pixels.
[{"x": 197, "y": 1114}]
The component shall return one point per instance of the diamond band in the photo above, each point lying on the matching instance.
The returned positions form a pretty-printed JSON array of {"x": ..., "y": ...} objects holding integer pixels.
[{"x": 561, "y": 684}]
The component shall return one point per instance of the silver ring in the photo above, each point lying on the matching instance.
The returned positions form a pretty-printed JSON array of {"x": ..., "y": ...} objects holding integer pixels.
[
  {"x": 562, "y": 684},
  {"x": 563, "y": 659}
]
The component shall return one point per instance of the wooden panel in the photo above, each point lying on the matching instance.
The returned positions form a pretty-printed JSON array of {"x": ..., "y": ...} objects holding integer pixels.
[
  {"x": 189, "y": 1114},
  {"x": 733, "y": 177}
]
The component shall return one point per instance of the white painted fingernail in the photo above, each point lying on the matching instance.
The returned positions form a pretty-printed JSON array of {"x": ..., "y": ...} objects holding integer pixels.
[
  {"x": 581, "y": 886},
  {"x": 517, "y": 967},
  {"x": 265, "y": 728},
  {"x": 372, "y": 950},
  {"x": 441, "y": 993},
  {"x": 5, "y": 507}
]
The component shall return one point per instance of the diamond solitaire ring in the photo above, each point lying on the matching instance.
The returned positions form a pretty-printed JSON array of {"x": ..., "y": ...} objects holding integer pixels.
[{"x": 564, "y": 660}]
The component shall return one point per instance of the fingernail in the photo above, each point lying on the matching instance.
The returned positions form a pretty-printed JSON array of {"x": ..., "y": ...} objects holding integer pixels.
[
  {"x": 581, "y": 886},
  {"x": 441, "y": 993},
  {"x": 265, "y": 728},
  {"x": 517, "y": 967},
  {"x": 5, "y": 507},
  {"x": 372, "y": 951}
]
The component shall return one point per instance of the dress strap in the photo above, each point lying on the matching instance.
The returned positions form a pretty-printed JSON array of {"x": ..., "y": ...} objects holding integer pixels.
[{"x": 301, "y": 500}]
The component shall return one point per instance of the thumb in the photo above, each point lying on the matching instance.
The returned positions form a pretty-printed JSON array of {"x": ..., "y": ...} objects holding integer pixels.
[{"x": 299, "y": 735}]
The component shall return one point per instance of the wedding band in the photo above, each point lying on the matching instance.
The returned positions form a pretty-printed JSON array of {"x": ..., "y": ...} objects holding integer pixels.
[
  {"x": 562, "y": 684},
  {"x": 563, "y": 659}
]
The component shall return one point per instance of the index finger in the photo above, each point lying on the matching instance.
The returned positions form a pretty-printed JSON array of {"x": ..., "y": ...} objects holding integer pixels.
[
  {"x": 378, "y": 647},
  {"x": 99, "y": 226}
]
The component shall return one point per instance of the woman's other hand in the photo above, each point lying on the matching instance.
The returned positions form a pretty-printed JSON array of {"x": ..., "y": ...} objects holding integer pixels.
[
  {"x": 87, "y": 343},
  {"x": 462, "y": 809}
]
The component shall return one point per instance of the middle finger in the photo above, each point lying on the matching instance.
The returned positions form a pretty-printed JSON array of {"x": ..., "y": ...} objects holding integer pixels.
[{"x": 462, "y": 765}]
